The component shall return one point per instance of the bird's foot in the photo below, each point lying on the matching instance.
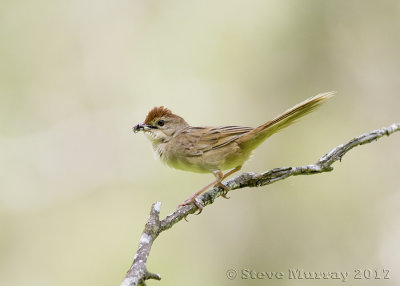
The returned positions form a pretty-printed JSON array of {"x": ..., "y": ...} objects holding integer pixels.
[
  {"x": 192, "y": 200},
  {"x": 225, "y": 190}
]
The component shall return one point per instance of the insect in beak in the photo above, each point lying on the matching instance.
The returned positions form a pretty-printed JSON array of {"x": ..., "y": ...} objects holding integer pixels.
[{"x": 142, "y": 127}]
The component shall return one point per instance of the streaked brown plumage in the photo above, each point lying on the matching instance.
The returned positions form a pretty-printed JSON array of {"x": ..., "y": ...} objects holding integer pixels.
[{"x": 213, "y": 149}]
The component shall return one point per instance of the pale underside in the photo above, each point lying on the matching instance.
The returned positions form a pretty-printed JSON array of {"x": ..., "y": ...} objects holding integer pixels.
[{"x": 204, "y": 149}]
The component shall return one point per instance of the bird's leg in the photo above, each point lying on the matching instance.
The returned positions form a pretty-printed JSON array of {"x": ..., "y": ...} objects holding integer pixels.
[
  {"x": 192, "y": 198},
  {"x": 220, "y": 176},
  {"x": 217, "y": 183}
]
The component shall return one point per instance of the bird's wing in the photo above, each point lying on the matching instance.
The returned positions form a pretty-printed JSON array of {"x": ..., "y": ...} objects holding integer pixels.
[{"x": 199, "y": 140}]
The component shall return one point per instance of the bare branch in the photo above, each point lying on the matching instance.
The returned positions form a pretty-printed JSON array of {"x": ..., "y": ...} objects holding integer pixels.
[{"x": 138, "y": 273}]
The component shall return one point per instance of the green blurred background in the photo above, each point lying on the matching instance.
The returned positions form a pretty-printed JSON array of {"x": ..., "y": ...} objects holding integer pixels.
[{"x": 77, "y": 185}]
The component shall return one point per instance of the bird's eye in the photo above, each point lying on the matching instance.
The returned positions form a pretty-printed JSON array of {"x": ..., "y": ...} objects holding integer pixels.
[{"x": 160, "y": 122}]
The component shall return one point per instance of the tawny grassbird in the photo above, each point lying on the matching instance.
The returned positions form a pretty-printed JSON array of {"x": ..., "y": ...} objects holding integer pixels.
[{"x": 213, "y": 149}]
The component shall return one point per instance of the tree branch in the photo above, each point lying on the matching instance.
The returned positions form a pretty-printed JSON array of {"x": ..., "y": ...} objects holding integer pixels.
[{"x": 138, "y": 273}]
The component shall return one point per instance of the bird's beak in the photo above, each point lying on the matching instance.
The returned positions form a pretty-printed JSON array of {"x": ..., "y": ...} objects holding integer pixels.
[{"x": 141, "y": 127}]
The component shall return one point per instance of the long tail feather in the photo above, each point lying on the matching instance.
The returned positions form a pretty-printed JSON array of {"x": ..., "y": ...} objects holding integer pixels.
[{"x": 259, "y": 134}]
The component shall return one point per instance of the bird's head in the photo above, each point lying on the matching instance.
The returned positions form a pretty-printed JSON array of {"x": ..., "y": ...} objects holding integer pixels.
[{"x": 160, "y": 124}]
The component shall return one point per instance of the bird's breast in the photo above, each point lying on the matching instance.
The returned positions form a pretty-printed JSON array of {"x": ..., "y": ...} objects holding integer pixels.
[{"x": 175, "y": 159}]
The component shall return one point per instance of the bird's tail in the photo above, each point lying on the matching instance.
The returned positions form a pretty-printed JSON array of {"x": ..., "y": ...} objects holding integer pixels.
[{"x": 255, "y": 137}]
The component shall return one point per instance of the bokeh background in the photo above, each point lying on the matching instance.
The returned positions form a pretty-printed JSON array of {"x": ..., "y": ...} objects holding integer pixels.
[{"x": 77, "y": 185}]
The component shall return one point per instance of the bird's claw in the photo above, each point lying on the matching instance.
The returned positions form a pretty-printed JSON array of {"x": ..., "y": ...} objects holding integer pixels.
[
  {"x": 195, "y": 202},
  {"x": 225, "y": 190}
]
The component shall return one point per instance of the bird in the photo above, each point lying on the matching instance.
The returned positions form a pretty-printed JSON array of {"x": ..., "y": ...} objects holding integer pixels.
[{"x": 213, "y": 149}]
